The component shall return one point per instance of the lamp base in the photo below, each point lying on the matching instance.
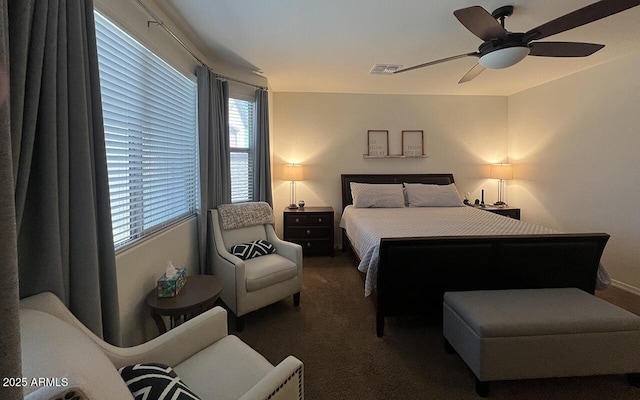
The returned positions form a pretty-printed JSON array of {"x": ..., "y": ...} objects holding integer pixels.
[
  {"x": 292, "y": 206},
  {"x": 500, "y": 204}
]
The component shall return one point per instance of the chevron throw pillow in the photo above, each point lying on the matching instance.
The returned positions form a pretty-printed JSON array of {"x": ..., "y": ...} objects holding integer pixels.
[
  {"x": 257, "y": 248},
  {"x": 155, "y": 382}
]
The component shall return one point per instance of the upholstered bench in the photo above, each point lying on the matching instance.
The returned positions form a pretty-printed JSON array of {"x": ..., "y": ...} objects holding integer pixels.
[{"x": 540, "y": 333}]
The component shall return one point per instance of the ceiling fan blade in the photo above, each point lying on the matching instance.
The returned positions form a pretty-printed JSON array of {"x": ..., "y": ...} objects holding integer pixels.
[
  {"x": 473, "y": 72},
  {"x": 563, "y": 49},
  {"x": 437, "y": 62},
  {"x": 582, "y": 16},
  {"x": 482, "y": 24}
]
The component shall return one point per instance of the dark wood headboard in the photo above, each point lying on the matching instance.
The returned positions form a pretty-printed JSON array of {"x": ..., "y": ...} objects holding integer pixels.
[{"x": 346, "y": 179}]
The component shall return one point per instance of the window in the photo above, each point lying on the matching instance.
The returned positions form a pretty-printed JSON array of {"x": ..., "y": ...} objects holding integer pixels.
[
  {"x": 151, "y": 136},
  {"x": 241, "y": 131}
]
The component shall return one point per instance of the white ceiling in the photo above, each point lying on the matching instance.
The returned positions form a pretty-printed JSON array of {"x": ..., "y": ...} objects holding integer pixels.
[{"x": 330, "y": 45}]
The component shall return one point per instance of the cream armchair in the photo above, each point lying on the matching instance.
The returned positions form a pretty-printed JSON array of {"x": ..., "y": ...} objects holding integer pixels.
[
  {"x": 215, "y": 365},
  {"x": 258, "y": 282}
]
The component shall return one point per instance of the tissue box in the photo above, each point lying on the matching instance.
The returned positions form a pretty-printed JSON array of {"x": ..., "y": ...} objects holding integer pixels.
[{"x": 171, "y": 287}]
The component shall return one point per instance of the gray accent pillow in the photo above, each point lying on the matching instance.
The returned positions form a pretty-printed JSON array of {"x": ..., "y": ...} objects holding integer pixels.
[
  {"x": 377, "y": 195},
  {"x": 421, "y": 195}
]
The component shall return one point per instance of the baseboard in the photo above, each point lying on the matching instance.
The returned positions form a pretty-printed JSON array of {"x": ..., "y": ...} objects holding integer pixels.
[{"x": 625, "y": 287}]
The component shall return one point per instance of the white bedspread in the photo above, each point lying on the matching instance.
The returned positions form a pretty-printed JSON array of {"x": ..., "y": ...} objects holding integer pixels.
[{"x": 366, "y": 226}]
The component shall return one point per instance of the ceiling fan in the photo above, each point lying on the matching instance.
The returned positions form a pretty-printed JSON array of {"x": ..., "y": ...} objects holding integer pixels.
[{"x": 502, "y": 49}]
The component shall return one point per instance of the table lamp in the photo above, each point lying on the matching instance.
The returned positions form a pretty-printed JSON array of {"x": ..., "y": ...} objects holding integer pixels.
[
  {"x": 293, "y": 173},
  {"x": 502, "y": 172}
]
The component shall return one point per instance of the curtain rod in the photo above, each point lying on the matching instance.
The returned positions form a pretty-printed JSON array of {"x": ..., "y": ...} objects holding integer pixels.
[{"x": 160, "y": 23}]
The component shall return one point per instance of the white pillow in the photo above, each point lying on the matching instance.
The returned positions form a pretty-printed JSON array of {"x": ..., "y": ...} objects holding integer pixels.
[
  {"x": 420, "y": 195},
  {"x": 377, "y": 195}
]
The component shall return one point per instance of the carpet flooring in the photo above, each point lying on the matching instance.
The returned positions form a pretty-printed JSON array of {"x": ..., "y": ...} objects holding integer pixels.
[{"x": 333, "y": 333}]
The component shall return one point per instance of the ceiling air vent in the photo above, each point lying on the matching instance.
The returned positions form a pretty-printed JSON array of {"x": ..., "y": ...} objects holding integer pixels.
[{"x": 384, "y": 69}]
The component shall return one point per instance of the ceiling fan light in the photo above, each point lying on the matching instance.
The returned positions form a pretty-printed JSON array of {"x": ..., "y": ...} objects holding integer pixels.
[{"x": 503, "y": 58}]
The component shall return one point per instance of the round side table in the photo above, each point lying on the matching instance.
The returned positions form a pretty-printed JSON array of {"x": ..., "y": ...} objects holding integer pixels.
[{"x": 197, "y": 296}]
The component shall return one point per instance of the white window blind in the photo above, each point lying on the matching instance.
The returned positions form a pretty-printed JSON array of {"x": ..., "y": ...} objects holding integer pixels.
[
  {"x": 241, "y": 148},
  {"x": 150, "y": 131}
]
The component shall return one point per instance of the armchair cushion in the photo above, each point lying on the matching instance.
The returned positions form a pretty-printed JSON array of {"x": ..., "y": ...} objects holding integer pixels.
[
  {"x": 255, "y": 248},
  {"x": 155, "y": 381},
  {"x": 237, "y": 368},
  {"x": 268, "y": 270}
]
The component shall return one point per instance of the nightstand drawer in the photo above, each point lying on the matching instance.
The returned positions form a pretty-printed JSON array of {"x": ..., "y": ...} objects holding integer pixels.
[
  {"x": 320, "y": 219},
  {"x": 315, "y": 246},
  {"x": 296, "y": 220},
  {"x": 307, "y": 232},
  {"x": 311, "y": 219}
]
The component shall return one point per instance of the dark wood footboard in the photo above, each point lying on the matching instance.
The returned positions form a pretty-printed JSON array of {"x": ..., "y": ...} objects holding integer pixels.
[{"x": 414, "y": 273}]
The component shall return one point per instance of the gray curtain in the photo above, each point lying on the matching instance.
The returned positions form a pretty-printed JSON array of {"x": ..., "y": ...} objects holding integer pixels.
[
  {"x": 10, "y": 360},
  {"x": 262, "y": 163},
  {"x": 63, "y": 215},
  {"x": 215, "y": 175}
]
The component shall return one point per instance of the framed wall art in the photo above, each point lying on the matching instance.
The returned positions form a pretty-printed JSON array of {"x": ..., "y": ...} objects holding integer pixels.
[
  {"x": 378, "y": 143},
  {"x": 412, "y": 143}
]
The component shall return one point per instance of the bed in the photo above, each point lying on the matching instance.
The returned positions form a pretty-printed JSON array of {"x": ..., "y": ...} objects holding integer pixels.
[{"x": 411, "y": 256}]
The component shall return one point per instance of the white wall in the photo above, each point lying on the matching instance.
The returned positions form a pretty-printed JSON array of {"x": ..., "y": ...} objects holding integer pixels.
[
  {"x": 327, "y": 133},
  {"x": 575, "y": 143},
  {"x": 140, "y": 266}
]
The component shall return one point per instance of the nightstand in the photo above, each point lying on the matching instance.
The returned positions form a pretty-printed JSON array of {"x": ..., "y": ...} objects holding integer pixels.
[
  {"x": 506, "y": 211},
  {"x": 311, "y": 228}
]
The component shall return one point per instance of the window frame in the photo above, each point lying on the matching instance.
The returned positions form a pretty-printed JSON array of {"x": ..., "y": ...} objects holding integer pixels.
[
  {"x": 181, "y": 200},
  {"x": 250, "y": 150}
]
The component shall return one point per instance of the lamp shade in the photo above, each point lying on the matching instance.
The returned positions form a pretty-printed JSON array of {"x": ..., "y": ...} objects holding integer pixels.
[
  {"x": 501, "y": 171},
  {"x": 293, "y": 173}
]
